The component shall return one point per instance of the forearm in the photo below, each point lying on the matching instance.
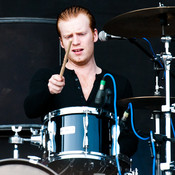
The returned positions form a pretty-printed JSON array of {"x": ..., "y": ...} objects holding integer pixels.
[{"x": 36, "y": 102}]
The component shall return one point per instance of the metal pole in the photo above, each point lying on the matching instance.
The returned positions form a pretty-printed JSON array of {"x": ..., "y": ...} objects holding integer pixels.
[{"x": 167, "y": 57}]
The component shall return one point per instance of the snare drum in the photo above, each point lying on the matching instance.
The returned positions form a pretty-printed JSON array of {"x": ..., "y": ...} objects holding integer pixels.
[
  {"x": 79, "y": 140},
  {"x": 23, "y": 166}
]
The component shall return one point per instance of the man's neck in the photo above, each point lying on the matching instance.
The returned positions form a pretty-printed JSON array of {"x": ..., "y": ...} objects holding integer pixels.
[{"x": 87, "y": 69}]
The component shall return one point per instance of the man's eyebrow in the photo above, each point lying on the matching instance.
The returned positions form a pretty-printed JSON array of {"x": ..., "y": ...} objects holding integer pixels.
[{"x": 66, "y": 35}]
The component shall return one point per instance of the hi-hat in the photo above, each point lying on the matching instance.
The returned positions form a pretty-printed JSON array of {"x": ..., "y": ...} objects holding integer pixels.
[
  {"x": 145, "y": 102},
  {"x": 146, "y": 22}
]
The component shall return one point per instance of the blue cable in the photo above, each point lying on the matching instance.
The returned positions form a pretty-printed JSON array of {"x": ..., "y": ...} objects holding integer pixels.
[
  {"x": 132, "y": 123},
  {"x": 154, "y": 53},
  {"x": 115, "y": 115},
  {"x": 154, "y": 153},
  {"x": 115, "y": 94},
  {"x": 172, "y": 127},
  {"x": 150, "y": 46},
  {"x": 151, "y": 135}
]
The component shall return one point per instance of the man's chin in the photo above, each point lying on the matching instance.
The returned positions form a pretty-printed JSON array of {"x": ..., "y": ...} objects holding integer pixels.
[{"x": 80, "y": 62}]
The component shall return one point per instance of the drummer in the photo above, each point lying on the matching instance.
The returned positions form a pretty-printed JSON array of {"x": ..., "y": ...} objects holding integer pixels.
[{"x": 81, "y": 79}]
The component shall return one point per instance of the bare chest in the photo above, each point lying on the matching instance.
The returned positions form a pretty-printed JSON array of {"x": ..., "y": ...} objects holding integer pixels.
[{"x": 87, "y": 86}]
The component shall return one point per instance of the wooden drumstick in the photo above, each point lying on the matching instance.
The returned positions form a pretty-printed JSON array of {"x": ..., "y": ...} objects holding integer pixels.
[{"x": 65, "y": 59}]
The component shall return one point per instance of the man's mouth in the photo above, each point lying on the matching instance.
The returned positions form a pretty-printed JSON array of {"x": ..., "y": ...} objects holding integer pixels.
[{"x": 77, "y": 50}]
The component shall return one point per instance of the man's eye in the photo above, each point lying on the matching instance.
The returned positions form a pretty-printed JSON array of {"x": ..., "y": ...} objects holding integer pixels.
[
  {"x": 82, "y": 34},
  {"x": 68, "y": 37}
]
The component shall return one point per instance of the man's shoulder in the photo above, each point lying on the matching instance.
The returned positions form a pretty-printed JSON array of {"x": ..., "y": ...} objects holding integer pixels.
[
  {"x": 45, "y": 72},
  {"x": 114, "y": 74}
]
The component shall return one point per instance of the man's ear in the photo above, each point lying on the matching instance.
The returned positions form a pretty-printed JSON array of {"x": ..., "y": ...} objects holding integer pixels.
[
  {"x": 61, "y": 42},
  {"x": 95, "y": 35}
]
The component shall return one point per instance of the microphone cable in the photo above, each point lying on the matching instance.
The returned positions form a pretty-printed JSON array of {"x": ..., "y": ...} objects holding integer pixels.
[
  {"x": 154, "y": 153},
  {"x": 132, "y": 123},
  {"x": 116, "y": 119},
  {"x": 142, "y": 138},
  {"x": 172, "y": 126}
]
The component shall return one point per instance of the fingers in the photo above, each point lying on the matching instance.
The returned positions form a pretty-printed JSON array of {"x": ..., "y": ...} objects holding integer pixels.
[{"x": 56, "y": 84}]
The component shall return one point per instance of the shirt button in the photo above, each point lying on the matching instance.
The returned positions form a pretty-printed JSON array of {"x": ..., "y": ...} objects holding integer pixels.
[
  {"x": 79, "y": 87},
  {"x": 76, "y": 79}
]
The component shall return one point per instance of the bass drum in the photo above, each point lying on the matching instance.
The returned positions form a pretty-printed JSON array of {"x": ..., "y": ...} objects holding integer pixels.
[{"x": 23, "y": 167}]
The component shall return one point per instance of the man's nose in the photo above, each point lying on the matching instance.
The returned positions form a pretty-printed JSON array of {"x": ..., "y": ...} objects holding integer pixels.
[{"x": 75, "y": 40}]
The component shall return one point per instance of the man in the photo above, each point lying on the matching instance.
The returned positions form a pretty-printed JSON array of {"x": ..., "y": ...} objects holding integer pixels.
[{"x": 80, "y": 83}]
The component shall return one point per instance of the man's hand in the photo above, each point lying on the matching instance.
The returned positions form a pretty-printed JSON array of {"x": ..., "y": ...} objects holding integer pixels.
[{"x": 56, "y": 84}]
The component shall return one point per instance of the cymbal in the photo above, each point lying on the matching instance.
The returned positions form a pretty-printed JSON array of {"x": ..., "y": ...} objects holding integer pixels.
[
  {"x": 145, "y": 102},
  {"x": 6, "y": 130},
  {"x": 143, "y": 23}
]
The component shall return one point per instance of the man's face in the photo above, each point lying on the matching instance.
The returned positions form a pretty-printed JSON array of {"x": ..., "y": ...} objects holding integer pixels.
[{"x": 78, "y": 30}]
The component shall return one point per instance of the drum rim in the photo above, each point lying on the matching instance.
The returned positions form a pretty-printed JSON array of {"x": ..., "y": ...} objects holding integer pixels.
[
  {"x": 64, "y": 155},
  {"x": 91, "y": 153},
  {"x": 73, "y": 110},
  {"x": 82, "y": 155},
  {"x": 21, "y": 161}
]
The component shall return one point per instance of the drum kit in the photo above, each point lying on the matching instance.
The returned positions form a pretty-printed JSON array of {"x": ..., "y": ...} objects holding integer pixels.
[
  {"x": 74, "y": 140},
  {"x": 77, "y": 140}
]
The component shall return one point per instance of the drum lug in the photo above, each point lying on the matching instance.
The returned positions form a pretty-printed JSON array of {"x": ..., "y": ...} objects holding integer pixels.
[
  {"x": 115, "y": 134},
  {"x": 85, "y": 139},
  {"x": 52, "y": 133}
]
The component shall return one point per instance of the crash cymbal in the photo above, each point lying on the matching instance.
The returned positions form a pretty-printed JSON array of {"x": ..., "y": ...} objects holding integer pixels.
[
  {"x": 6, "y": 130},
  {"x": 143, "y": 23},
  {"x": 145, "y": 102}
]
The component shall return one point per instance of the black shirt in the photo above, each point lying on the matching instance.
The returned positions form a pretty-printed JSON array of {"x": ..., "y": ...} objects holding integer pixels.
[{"x": 40, "y": 102}]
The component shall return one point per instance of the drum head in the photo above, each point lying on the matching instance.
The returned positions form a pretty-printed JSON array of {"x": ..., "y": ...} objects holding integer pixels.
[{"x": 23, "y": 167}]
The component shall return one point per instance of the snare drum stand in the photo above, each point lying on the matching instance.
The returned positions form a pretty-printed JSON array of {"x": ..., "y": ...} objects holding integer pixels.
[
  {"x": 16, "y": 139},
  {"x": 166, "y": 57}
]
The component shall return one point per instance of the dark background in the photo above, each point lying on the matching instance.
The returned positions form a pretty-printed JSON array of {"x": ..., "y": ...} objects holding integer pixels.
[{"x": 26, "y": 46}]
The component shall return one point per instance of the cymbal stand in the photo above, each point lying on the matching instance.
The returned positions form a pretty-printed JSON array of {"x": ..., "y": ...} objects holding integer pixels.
[
  {"x": 158, "y": 142},
  {"x": 166, "y": 57},
  {"x": 156, "y": 114},
  {"x": 157, "y": 70}
]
